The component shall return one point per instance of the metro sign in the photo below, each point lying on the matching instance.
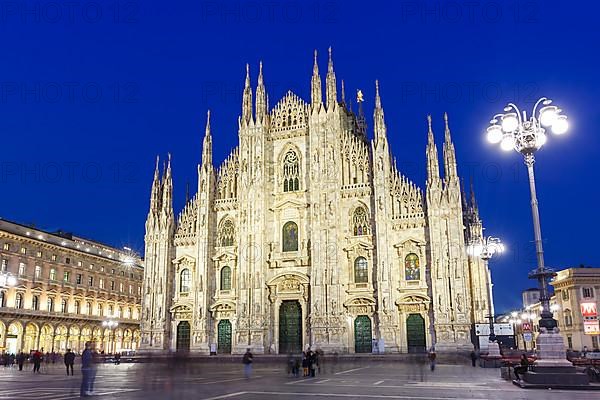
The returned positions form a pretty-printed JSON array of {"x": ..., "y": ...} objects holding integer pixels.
[{"x": 589, "y": 309}]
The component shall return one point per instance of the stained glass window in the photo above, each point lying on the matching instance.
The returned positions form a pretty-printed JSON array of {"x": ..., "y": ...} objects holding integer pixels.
[
  {"x": 290, "y": 236},
  {"x": 412, "y": 270},
  {"x": 360, "y": 223},
  {"x": 227, "y": 233},
  {"x": 291, "y": 172},
  {"x": 184, "y": 281},
  {"x": 225, "y": 278},
  {"x": 361, "y": 270}
]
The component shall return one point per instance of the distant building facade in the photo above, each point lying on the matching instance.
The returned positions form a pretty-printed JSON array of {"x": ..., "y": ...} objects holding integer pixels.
[
  {"x": 530, "y": 297},
  {"x": 309, "y": 235},
  {"x": 66, "y": 286}
]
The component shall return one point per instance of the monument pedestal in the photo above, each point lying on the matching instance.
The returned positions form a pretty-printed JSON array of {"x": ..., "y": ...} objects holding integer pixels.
[
  {"x": 493, "y": 359},
  {"x": 552, "y": 369}
]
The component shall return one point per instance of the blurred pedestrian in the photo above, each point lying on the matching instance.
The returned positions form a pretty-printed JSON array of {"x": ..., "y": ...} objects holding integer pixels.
[
  {"x": 37, "y": 360},
  {"x": 69, "y": 361},
  {"x": 304, "y": 364},
  {"x": 473, "y": 358},
  {"x": 21, "y": 360},
  {"x": 432, "y": 356},
  {"x": 88, "y": 370},
  {"x": 247, "y": 361}
]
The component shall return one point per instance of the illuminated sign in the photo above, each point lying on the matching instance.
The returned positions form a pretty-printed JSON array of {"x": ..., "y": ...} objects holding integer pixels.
[
  {"x": 591, "y": 327},
  {"x": 589, "y": 309}
]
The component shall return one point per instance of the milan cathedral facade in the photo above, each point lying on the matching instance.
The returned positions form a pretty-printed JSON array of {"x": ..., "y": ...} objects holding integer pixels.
[{"x": 308, "y": 235}]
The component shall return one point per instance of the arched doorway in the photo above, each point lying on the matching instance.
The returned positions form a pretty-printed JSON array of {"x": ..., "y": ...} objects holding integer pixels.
[
  {"x": 183, "y": 336},
  {"x": 290, "y": 327},
  {"x": 224, "y": 336},
  {"x": 415, "y": 333},
  {"x": 46, "y": 338},
  {"x": 14, "y": 337},
  {"x": 363, "y": 338},
  {"x": 31, "y": 337}
]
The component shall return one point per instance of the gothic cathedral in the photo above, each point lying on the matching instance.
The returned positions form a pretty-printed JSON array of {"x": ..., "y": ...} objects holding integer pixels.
[{"x": 308, "y": 235}]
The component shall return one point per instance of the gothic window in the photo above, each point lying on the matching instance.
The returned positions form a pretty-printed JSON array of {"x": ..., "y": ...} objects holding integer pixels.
[
  {"x": 291, "y": 172},
  {"x": 184, "y": 281},
  {"x": 35, "y": 303},
  {"x": 360, "y": 223},
  {"x": 226, "y": 234},
  {"x": 225, "y": 278},
  {"x": 361, "y": 270},
  {"x": 290, "y": 236},
  {"x": 412, "y": 270},
  {"x": 19, "y": 300}
]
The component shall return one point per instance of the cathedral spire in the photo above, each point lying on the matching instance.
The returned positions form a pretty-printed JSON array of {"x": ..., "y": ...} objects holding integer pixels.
[
  {"x": 343, "y": 93},
  {"x": 316, "y": 96},
  {"x": 167, "y": 191},
  {"x": 207, "y": 143},
  {"x": 247, "y": 98},
  {"x": 473, "y": 202},
  {"x": 261, "y": 97},
  {"x": 331, "y": 86},
  {"x": 449, "y": 153},
  {"x": 433, "y": 168},
  {"x": 155, "y": 194},
  {"x": 378, "y": 117}
]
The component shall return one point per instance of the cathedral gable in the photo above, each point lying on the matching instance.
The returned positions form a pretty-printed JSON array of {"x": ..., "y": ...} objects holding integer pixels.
[{"x": 290, "y": 114}]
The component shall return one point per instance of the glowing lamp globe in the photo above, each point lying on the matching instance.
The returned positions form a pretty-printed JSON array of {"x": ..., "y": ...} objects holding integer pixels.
[
  {"x": 510, "y": 122},
  {"x": 507, "y": 143},
  {"x": 540, "y": 140},
  {"x": 560, "y": 126},
  {"x": 548, "y": 115},
  {"x": 494, "y": 134}
]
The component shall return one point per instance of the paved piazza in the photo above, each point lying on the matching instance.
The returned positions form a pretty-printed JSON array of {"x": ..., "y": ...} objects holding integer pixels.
[{"x": 366, "y": 380}]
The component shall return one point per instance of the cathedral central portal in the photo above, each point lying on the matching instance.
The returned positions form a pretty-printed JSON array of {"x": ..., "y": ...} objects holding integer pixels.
[{"x": 290, "y": 327}]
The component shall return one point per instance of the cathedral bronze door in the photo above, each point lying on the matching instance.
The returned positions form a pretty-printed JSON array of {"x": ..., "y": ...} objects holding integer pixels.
[
  {"x": 290, "y": 327},
  {"x": 224, "y": 336},
  {"x": 183, "y": 336},
  {"x": 415, "y": 333},
  {"x": 363, "y": 339}
]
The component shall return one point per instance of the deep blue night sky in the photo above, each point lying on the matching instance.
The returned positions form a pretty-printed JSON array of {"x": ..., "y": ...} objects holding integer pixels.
[{"x": 91, "y": 93}]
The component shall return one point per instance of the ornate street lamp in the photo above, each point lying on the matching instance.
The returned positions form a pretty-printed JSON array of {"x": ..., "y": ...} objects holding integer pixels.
[
  {"x": 514, "y": 130},
  {"x": 485, "y": 249},
  {"x": 7, "y": 280},
  {"x": 111, "y": 325}
]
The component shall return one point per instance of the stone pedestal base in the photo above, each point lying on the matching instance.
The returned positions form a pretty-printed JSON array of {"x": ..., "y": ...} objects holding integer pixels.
[
  {"x": 494, "y": 350},
  {"x": 552, "y": 369}
]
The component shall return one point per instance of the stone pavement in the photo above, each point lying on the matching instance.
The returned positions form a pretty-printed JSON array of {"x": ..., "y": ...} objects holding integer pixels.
[{"x": 344, "y": 380}]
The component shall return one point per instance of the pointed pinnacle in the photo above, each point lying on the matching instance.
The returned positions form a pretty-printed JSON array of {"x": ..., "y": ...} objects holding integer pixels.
[
  {"x": 207, "y": 130},
  {"x": 156, "y": 172},
  {"x": 343, "y": 92},
  {"x": 430, "y": 130},
  {"x": 247, "y": 75},
  {"x": 447, "y": 130},
  {"x": 330, "y": 64},
  {"x": 377, "y": 98},
  {"x": 260, "y": 74}
]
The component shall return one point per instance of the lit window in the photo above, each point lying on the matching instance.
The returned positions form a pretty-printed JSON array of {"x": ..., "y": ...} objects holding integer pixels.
[
  {"x": 6, "y": 246},
  {"x": 38, "y": 254},
  {"x": 53, "y": 257},
  {"x": 4, "y": 265},
  {"x": 63, "y": 306},
  {"x": 50, "y": 304},
  {"x": 38, "y": 272},
  {"x": 184, "y": 281},
  {"x": 130, "y": 289},
  {"x": 79, "y": 264},
  {"x": 225, "y": 278},
  {"x": 91, "y": 281},
  {"x": 23, "y": 250},
  {"x": 79, "y": 279},
  {"x": 21, "y": 268},
  {"x": 52, "y": 274},
  {"x": 101, "y": 283},
  {"x": 121, "y": 287},
  {"x": 19, "y": 300},
  {"x": 66, "y": 276},
  {"x": 88, "y": 307},
  {"x": 361, "y": 270}
]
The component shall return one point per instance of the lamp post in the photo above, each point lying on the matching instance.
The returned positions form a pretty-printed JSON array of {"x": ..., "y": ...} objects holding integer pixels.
[
  {"x": 111, "y": 325},
  {"x": 514, "y": 130},
  {"x": 485, "y": 248},
  {"x": 7, "y": 280}
]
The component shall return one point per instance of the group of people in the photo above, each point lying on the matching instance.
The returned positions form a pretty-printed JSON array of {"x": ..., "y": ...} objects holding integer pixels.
[
  {"x": 308, "y": 361},
  {"x": 37, "y": 357}
]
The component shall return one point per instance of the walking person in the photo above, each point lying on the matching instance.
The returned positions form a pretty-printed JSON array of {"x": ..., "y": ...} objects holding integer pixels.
[
  {"x": 247, "y": 361},
  {"x": 21, "y": 360},
  {"x": 88, "y": 369},
  {"x": 69, "y": 361},
  {"x": 473, "y": 358},
  {"x": 432, "y": 356},
  {"x": 37, "y": 361}
]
